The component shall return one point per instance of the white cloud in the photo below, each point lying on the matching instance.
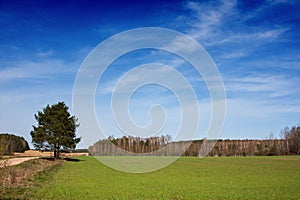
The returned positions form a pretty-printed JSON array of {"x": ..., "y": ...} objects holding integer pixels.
[
  {"x": 35, "y": 69},
  {"x": 231, "y": 55},
  {"x": 182, "y": 44},
  {"x": 148, "y": 74},
  {"x": 275, "y": 2},
  {"x": 240, "y": 107},
  {"x": 45, "y": 53},
  {"x": 209, "y": 18},
  {"x": 211, "y": 23},
  {"x": 265, "y": 85},
  {"x": 262, "y": 35}
]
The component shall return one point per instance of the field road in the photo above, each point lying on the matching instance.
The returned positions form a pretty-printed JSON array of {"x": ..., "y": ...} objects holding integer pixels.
[{"x": 14, "y": 161}]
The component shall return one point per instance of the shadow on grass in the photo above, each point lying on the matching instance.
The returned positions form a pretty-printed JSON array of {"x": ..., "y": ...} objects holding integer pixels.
[
  {"x": 66, "y": 159},
  {"x": 73, "y": 160}
]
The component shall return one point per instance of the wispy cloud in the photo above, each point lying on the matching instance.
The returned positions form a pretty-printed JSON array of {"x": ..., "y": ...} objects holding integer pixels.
[
  {"x": 262, "y": 86},
  {"x": 255, "y": 45},
  {"x": 154, "y": 74},
  {"x": 216, "y": 23},
  {"x": 255, "y": 68},
  {"x": 45, "y": 53},
  {"x": 240, "y": 109},
  {"x": 275, "y": 2},
  {"x": 208, "y": 18},
  {"x": 42, "y": 69}
]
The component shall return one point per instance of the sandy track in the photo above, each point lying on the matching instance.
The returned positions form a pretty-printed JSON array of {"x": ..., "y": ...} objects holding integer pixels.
[{"x": 15, "y": 161}]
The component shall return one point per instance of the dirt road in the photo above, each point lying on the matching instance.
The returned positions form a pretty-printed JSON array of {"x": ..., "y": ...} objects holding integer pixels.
[{"x": 15, "y": 161}]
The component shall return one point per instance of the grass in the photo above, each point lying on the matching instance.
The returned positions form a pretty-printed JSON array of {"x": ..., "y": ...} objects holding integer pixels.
[
  {"x": 17, "y": 181},
  {"x": 187, "y": 178}
]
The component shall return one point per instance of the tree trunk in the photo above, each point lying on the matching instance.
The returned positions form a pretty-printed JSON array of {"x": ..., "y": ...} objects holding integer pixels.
[{"x": 56, "y": 153}]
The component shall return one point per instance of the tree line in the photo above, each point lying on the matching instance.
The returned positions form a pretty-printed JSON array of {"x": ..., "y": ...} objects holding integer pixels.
[
  {"x": 292, "y": 136},
  {"x": 128, "y": 145},
  {"x": 163, "y": 146},
  {"x": 56, "y": 131},
  {"x": 10, "y": 143}
]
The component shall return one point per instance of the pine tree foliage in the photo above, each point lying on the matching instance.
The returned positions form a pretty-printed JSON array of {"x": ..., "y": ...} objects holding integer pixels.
[{"x": 56, "y": 129}]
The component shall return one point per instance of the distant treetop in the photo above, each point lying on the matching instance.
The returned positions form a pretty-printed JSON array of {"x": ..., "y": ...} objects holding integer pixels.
[{"x": 10, "y": 143}]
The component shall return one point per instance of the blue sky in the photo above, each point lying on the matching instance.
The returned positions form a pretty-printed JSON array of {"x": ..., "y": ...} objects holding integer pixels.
[{"x": 255, "y": 45}]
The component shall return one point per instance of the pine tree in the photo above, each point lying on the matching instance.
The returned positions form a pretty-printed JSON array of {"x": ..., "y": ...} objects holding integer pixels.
[{"x": 56, "y": 129}]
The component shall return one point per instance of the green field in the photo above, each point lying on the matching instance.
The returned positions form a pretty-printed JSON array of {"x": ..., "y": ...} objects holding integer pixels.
[{"x": 187, "y": 178}]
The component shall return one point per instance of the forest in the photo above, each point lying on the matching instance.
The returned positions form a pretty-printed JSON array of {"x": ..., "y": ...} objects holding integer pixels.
[
  {"x": 289, "y": 144},
  {"x": 10, "y": 143}
]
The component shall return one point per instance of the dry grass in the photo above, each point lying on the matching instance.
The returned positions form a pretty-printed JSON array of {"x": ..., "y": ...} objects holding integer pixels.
[{"x": 20, "y": 177}]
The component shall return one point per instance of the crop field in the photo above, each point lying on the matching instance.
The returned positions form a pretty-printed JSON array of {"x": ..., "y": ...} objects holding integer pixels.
[{"x": 187, "y": 178}]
